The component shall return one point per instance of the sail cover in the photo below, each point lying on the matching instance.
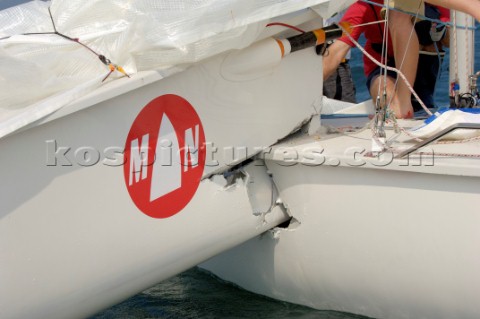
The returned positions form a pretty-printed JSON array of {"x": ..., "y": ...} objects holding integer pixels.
[{"x": 43, "y": 72}]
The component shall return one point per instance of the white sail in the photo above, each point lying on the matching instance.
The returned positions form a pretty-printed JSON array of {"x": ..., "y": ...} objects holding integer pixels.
[{"x": 166, "y": 36}]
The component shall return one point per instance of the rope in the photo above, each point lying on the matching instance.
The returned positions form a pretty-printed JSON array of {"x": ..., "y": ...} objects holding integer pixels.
[
  {"x": 467, "y": 49},
  {"x": 286, "y": 25},
  {"x": 403, "y": 58},
  {"x": 467, "y": 140},
  {"x": 388, "y": 147},
  {"x": 368, "y": 23},
  {"x": 455, "y": 52},
  {"x": 440, "y": 142},
  {"x": 388, "y": 68},
  {"x": 112, "y": 67},
  {"x": 422, "y": 17},
  {"x": 440, "y": 66},
  {"x": 446, "y": 154},
  {"x": 384, "y": 55}
]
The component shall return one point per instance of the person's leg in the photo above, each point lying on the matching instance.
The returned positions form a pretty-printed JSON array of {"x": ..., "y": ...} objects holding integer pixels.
[
  {"x": 471, "y": 7},
  {"x": 375, "y": 85},
  {"x": 428, "y": 69},
  {"x": 330, "y": 85},
  {"x": 406, "y": 50},
  {"x": 406, "y": 47},
  {"x": 348, "y": 86}
]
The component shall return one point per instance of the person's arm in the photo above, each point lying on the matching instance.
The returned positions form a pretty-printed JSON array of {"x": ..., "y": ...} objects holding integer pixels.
[
  {"x": 334, "y": 56},
  {"x": 471, "y": 7},
  {"x": 355, "y": 15}
]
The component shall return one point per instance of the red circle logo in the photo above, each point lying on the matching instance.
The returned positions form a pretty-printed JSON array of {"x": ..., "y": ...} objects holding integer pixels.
[{"x": 164, "y": 156}]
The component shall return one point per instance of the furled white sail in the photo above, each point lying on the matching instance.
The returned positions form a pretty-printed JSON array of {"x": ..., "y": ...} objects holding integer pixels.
[{"x": 139, "y": 35}]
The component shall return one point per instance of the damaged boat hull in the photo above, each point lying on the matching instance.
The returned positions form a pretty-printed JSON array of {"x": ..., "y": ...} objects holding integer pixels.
[
  {"x": 73, "y": 240},
  {"x": 384, "y": 241}
]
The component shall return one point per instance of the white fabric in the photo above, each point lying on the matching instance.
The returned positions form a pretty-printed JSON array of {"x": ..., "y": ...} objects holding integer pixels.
[{"x": 135, "y": 34}]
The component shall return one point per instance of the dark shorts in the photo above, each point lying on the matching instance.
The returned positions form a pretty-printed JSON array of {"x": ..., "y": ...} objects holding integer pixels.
[
  {"x": 376, "y": 72},
  {"x": 425, "y": 81},
  {"x": 339, "y": 85}
]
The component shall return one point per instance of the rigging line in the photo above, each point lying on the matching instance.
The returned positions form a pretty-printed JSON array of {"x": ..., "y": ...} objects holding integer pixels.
[
  {"x": 384, "y": 56},
  {"x": 368, "y": 23},
  {"x": 60, "y": 35},
  {"x": 455, "y": 52},
  {"x": 440, "y": 65},
  {"x": 51, "y": 18},
  {"x": 405, "y": 52},
  {"x": 286, "y": 25},
  {"x": 69, "y": 38},
  {"x": 55, "y": 32},
  {"x": 438, "y": 142},
  {"x": 386, "y": 35},
  {"x": 422, "y": 17},
  {"x": 387, "y": 67},
  {"x": 37, "y": 33},
  {"x": 468, "y": 40},
  {"x": 112, "y": 67}
]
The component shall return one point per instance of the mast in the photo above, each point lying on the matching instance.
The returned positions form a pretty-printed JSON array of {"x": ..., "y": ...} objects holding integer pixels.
[{"x": 462, "y": 52}]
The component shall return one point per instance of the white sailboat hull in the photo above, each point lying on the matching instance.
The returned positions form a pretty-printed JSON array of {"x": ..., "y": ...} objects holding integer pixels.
[
  {"x": 385, "y": 242},
  {"x": 72, "y": 239}
]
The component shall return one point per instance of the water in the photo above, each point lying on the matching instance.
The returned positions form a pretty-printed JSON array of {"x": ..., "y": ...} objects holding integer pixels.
[{"x": 197, "y": 294}]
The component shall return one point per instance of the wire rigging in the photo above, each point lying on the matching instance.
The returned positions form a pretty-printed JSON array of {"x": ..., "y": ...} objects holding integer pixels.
[
  {"x": 286, "y": 25},
  {"x": 359, "y": 46},
  {"x": 423, "y": 17},
  {"x": 112, "y": 66},
  {"x": 408, "y": 45},
  {"x": 368, "y": 23}
]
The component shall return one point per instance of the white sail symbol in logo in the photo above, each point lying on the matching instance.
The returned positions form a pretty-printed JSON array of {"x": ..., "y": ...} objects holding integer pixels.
[{"x": 167, "y": 173}]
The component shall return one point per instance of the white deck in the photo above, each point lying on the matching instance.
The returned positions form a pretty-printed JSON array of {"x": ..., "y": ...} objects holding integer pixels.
[
  {"x": 379, "y": 239},
  {"x": 349, "y": 149}
]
